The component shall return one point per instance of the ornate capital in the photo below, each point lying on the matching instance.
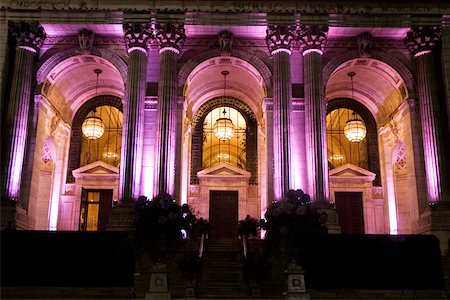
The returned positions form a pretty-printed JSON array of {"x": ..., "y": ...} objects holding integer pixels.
[
  {"x": 312, "y": 38},
  {"x": 279, "y": 38},
  {"x": 422, "y": 39},
  {"x": 225, "y": 42},
  {"x": 170, "y": 36},
  {"x": 137, "y": 36},
  {"x": 86, "y": 40},
  {"x": 28, "y": 35}
]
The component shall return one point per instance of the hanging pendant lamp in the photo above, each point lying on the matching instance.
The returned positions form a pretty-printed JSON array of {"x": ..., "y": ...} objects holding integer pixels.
[
  {"x": 93, "y": 127},
  {"x": 223, "y": 127},
  {"x": 355, "y": 129}
]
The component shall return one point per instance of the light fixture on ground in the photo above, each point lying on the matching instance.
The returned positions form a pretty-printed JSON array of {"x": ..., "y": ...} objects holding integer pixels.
[
  {"x": 223, "y": 127},
  {"x": 93, "y": 127},
  {"x": 355, "y": 129}
]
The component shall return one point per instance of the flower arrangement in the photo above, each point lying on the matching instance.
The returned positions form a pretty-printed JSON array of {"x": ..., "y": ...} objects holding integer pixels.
[
  {"x": 249, "y": 227},
  {"x": 161, "y": 225},
  {"x": 293, "y": 218}
]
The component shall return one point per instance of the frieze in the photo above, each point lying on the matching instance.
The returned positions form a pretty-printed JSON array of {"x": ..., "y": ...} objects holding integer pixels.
[
  {"x": 288, "y": 6},
  {"x": 69, "y": 189}
]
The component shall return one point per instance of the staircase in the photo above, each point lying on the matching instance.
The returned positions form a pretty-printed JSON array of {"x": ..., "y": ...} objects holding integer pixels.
[{"x": 222, "y": 275}]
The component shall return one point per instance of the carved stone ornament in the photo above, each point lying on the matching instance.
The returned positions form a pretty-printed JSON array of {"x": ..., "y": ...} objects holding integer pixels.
[
  {"x": 86, "y": 40},
  {"x": 137, "y": 35},
  {"x": 170, "y": 35},
  {"x": 364, "y": 42},
  {"x": 28, "y": 34},
  {"x": 279, "y": 37},
  {"x": 422, "y": 39},
  {"x": 225, "y": 42},
  {"x": 48, "y": 149},
  {"x": 312, "y": 37}
]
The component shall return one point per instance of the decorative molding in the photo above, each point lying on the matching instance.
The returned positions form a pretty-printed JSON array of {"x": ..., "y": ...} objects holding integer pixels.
[
  {"x": 312, "y": 37},
  {"x": 279, "y": 37},
  {"x": 422, "y": 39},
  {"x": 298, "y": 104},
  {"x": 29, "y": 35}
]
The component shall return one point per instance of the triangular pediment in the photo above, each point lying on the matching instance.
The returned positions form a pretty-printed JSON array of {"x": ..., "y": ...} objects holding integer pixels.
[
  {"x": 223, "y": 170},
  {"x": 98, "y": 169},
  {"x": 351, "y": 171}
]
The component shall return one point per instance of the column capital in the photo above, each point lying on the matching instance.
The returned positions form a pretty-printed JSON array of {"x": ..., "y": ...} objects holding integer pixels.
[
  {"x": 279, "y": 38},
  {"x": 28, "y": 35},
  {"x": 170, "y": 37},
  {"x": 137, "y": 36},
  {"x": 312, "y": 38},
  {"x": 422, "y": 39}
]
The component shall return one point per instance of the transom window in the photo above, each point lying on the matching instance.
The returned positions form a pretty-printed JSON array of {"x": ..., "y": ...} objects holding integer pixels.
[
  {"x": 232, "y": 149},
  {"x": 340, "y": 149},
  {"x": 107, "y": 147}
]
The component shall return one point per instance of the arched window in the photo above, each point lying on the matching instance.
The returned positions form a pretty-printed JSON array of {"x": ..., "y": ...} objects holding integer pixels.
[
  {"x": 106, "y": 147},
  {"x": 229, "y": 149},
  {"x": 340, "y": 149}
]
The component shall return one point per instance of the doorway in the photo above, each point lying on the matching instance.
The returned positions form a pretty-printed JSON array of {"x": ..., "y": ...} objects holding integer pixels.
[
  {"x": 95, "y": 209},
  {"x": 223, "y": 214},
  {"x": 349, "y": 209}
]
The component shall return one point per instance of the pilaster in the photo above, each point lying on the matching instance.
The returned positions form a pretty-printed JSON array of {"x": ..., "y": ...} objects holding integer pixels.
[
  {"x": 279, "y": 39},
  {"x": 311, "y": 41},
  {"x": 170, "y": 38}
]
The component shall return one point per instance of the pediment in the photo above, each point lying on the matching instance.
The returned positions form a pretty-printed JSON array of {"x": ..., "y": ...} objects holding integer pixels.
[
  {"x": 96, "y": 169},
  {"x": 351, "y": 171},
  {"x": 223, "y": 170}
]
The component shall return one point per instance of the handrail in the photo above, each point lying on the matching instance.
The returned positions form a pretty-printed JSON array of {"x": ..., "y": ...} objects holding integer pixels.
[
  {"x": 244, "y": 245},
  {"x": 202, "y": 245}
]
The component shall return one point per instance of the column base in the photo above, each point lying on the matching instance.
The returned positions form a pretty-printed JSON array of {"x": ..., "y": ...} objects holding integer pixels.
[
  {"x": 8, "y": 215},
  {"x": 120, "y": 217},
  {"x": 332, "y": 217},
  {"x": 440, "y": 225}
]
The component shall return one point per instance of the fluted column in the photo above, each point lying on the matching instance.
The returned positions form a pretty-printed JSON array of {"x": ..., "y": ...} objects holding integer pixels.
[
  {"x": 29, "y": 38},
  {"x": 312, "y": 39},
  {"x": 136, "y": 36},
  {"x": 421, "y": 41},
  {"x": 279, "y": 39},
  {"x": 170, "y": 38}
]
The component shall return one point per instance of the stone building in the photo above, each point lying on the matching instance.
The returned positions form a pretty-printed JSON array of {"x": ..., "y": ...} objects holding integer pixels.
[{"x": 226, "y": 105}]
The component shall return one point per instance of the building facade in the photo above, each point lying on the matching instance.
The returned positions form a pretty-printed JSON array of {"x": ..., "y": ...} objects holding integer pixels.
[{"x": 226, "y": 105}]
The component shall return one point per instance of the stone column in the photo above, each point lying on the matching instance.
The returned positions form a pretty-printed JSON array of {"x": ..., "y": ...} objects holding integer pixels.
[
  {"x": 170, "y": 38},
  {"x": 136, "y": 37},
  {"x": 29, "y": 37},
  {"x": 279, "y": 39},
  {"x": 312, "y": 40},
  {"x": 421, "y": 41}
]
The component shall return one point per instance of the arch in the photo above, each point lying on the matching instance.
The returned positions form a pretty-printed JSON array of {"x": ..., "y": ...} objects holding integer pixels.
[
  {"x": 398, "y": 66},
  {"x": 257, "y": 63},
  {"x": 251, "y": 135},
  {"x": 75, "y": 139},
  {"x": 45, "y": 67},
  {"x": 373, "y": 157}
]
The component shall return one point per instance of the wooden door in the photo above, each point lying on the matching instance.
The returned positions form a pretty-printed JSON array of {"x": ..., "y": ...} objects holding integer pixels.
[
  {"x": 223, "y": 214},
  {"x": 349, "y": 209}
]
